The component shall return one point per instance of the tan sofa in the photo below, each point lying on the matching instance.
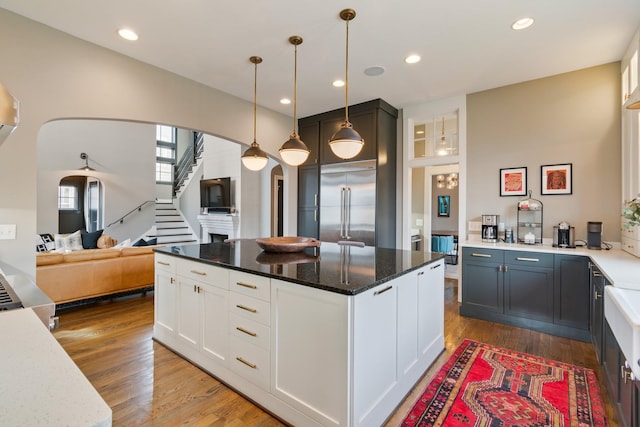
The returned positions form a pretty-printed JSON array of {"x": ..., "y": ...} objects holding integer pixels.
[{"x": 92, "y": 273}]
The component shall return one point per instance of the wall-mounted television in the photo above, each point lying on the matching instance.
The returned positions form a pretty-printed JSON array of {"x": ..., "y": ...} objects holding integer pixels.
[{"x": 215, "y": 194}]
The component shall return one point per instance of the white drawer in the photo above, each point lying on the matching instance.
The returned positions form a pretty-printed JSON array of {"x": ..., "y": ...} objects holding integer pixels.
[
  {"x": 631, "y": 232},
  {"x": 250, "y": 284},
  {"x": 249, "y": 361},
  {"x": 631, "y": 245},
  {"x": 204, "y": 273},
  {"x": 249, "y": 308},
  {"x": 165, "y": 263},
  {"x": 249, "y": 331}
]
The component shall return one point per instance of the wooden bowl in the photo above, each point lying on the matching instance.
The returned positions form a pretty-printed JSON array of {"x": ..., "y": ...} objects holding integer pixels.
[{"x": 286, "y": 244}]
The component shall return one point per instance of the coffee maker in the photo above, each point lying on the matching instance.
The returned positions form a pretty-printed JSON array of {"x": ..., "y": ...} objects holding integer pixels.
[
  {"x": 490, "y": 228},
  {"x": 564, "y": 236},
  {"x": 594, "y": 235}
]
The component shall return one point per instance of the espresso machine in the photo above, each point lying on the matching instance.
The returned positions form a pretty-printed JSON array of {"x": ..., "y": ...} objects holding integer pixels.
[
  {"x": 594, "y": 235},
  {"x": 490, "y": 228},
  {"x": 564, "y": 235}
]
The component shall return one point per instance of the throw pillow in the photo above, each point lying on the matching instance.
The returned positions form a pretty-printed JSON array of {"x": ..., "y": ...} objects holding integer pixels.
[
  {"x": 106, "y": 241},
  {"x": 124, "y": 244},
  {"x": 45, "y": 242},
  {"x": 69, "y": 242},
  {"x": 90, "y": 239},
  {"x": 140, "y": 242},
  {"x": 152, "y": 242}
]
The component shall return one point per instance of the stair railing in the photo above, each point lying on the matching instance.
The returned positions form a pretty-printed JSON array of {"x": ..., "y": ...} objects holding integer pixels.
[
  {"x": 188, "y": 160},
  {"x": 136, "y": 209}
]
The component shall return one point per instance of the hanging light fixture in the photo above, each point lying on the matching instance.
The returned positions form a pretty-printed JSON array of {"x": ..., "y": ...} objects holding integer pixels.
[
  {"x": 86, "y": 167},
  {"x": 254, "y": 158},
  {"x": 294, "y": 152},
  {"x": 346, "y": 143},
  {"x": 634, "y": 106},
  {"x": 442, "y": 148}
]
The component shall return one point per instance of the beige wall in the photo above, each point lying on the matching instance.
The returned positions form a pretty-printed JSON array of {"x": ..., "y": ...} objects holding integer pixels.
[
  {"x": 57, "y": 76},
  {"x": 568, "y": 118}
]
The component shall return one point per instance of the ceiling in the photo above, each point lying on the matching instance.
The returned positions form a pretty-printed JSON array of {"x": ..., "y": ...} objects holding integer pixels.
[{"x": 466, "y": 45}]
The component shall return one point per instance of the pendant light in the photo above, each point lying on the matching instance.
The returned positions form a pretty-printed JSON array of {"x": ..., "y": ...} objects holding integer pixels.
[
  {"x": 294, "y": 152},
  {"x": 634, "y": 106},
  {"x": 346, "y": 143},
  {"x": 442, "y": 149},
  {"x": 254, "y": 158},
  {"x": 86, "y": 167}
]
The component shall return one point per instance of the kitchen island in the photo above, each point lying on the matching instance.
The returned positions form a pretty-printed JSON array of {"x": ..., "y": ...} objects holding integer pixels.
[{"x": 335, "y": 335}]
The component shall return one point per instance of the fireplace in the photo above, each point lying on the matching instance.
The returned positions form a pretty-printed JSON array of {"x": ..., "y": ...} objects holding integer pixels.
[
  {"x": 218, "y": 227},
  {"x": 217, "y": 238}
]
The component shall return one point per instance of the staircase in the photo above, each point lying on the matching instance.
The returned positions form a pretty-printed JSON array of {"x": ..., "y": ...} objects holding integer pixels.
[{"x": 171, "y": 228}]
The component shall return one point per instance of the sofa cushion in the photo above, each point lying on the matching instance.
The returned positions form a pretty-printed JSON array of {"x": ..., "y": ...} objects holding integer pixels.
[
  {"x": 90, "y": 239},
  {"x": 69, "y": 242},
  {"x": 90, "y": 254},
  {"x": 48, "y": 258},
  {"x": 136, "y": 250}
]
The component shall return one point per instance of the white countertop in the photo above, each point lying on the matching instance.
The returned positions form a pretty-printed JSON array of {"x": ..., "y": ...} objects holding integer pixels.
[
  {"x": 619, "y": 267},
  {"x": 40, "y": 383}
]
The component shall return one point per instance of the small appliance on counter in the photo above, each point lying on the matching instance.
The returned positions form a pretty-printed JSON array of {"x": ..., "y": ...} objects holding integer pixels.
[
  {"x": 490, "y": 228},
  {"x": 564, "y": 235},
  {"x": 594, "y": 235}
]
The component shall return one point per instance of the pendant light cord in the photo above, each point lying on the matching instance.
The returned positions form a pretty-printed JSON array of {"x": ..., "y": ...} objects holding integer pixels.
[
  {"x": 295, "y": 85},
  {"x": 346, "y": 79},
  {"x": 255, "y": 99}
]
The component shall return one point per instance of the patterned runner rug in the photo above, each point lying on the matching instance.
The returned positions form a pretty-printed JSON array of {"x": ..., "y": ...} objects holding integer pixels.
[{"x": 483, "y": 385}]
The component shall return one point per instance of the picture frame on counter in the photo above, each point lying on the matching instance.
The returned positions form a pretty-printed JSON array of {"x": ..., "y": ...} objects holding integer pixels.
[
  {"x": 556, "y": 179},
  {"x": 513, "y": 181}
]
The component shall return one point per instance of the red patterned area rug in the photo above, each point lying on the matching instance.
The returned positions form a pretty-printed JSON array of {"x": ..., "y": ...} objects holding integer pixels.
[{"x": 483, "y": 385}]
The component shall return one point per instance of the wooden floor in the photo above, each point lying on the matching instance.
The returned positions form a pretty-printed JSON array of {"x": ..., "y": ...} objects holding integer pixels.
[{"x": 146, "y": 384}]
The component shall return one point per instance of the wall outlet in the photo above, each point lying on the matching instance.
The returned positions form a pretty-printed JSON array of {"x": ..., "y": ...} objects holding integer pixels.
[
  {"x": 7, "y": 231},
  {"x": 419, "y": 222}
]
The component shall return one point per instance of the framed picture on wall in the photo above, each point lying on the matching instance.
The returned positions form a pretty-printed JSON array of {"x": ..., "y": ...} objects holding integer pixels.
[
  {"x": 444, "y": 205},
  {"x": 513, "y": 182},
  {"x": 556, "y": 179}
]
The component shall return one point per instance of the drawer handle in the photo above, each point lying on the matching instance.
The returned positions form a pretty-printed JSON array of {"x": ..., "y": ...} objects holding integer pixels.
[
  {"x": 249, "y": 364},
  {"x": 481, "y": 255},
  {"x": 433, "y": 267},
  {"x": 420, "y": 273},
  {"x": 597, "y": 273},
  {"x": 242, "y": 307},
  {"x": 246, "y": 285},
  {"x": 381, "y": 291},
  {"x": 528, "y": 259},
  {"x": 596, "y": 295},
  {"x": 163, "y": 263},
  {"x": 241, "y": 329},
  {"x": 199, "y": 273}
]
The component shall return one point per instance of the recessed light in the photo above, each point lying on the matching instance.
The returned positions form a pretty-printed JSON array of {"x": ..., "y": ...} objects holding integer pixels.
[
  {"x": 338, "y": 83},
  {"x": 128, "y": 34},
  {"x": 374, "y": 71},
  {"x": 412, "y": 59},
  {"x": 522, "y": 23},
  {"x": 285, "y": 101}
]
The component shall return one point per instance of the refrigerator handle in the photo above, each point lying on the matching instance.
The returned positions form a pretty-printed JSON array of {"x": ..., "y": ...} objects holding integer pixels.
[
  {"x": 342, "y": 211},
  {"x": 348, "y": 214}
]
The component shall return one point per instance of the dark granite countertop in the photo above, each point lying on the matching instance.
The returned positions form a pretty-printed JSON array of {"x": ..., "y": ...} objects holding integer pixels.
[{"x": 346, "y": 270}]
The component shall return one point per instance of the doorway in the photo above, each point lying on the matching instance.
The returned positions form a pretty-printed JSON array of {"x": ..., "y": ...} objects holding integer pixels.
[{"x": 80, "y": 204}]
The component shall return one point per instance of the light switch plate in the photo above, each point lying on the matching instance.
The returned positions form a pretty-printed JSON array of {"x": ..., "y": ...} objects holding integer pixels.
[
  {"x": 419, "y": 222},
  {"x": 475, "y": 226},
  {"x": 7, "y": 231}
]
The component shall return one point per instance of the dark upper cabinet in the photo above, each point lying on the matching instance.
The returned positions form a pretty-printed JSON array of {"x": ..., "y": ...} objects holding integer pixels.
[{"x": 376, "y": 122}]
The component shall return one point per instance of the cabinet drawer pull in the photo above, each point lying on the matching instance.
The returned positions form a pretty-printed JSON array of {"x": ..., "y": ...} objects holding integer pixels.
[
  {"x": 433, "y": 267},
  {"x": 596, "y": 295},
  {"x": 242, "y": 307},
  {"x": 420, "y": 273},
  {"x": 173, "y": 280},
  {"x": 163, "y": 263},
  {"x": 481, "y": 255},
  {"x": 597, "y": 273},
  {"x": 381, "y": 291},
  {"x": 249, "y": 364},
  {"x": 528, "y": 259},
  {"x": 246, "y": 285},
  {"x": 241, "y": 329},
  {"x": 199, "y": 273}
]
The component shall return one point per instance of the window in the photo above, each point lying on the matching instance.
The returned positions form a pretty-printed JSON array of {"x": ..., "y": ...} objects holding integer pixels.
[
  {"x": 165, "y": 153},
  {"x": 67, "y": 197}
]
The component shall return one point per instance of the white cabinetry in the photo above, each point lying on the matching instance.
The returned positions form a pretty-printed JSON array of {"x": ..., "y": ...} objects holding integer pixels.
[
  {"x": 165, "y": 296},
  {"x": 310, "y": 356},
  {"x": 630, "y": 65}
]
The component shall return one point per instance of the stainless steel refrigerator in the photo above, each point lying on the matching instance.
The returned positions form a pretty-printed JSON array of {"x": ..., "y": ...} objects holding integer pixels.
[{"x": 348, "y": 202}]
